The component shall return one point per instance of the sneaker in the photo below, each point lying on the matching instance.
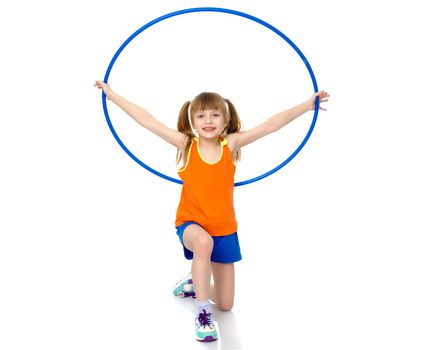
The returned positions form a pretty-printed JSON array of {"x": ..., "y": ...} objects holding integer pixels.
[
  {"x": 205, "y": 329},
  {"x": 184, "y": 288}
]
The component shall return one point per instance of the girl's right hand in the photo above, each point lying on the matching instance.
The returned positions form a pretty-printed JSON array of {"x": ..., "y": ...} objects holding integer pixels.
[{"x": 104, "y": 87}]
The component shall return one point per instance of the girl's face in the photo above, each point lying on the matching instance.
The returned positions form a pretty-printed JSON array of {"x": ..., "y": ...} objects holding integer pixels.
[{"x": 209, "y": 123}]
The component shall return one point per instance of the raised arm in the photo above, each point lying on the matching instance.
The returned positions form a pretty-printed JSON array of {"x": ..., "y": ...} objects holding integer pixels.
[
  {"x": 276, "y": 122},
  {"x": 143, "y": 117}
]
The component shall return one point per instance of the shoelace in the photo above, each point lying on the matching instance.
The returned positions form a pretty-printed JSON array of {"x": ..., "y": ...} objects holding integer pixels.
[{"x": 205, "y": 318}]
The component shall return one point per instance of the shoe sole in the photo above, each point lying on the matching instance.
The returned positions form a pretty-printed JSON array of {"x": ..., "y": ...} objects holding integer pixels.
[{"x": 207, "y": 339}]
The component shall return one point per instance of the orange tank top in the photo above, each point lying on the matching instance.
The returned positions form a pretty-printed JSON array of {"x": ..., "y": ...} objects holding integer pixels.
[{"x": 207, "y": 195}]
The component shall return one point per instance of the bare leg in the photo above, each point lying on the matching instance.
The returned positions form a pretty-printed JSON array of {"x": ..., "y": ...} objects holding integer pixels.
[
  {"x": 200, "y": 243},
  {"x": 222, "y": 292}
]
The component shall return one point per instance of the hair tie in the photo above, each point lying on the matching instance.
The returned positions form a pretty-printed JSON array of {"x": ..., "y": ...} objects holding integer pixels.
[
  {"x": 190, "y": 119},
  {"x": 226, "y": 107}
]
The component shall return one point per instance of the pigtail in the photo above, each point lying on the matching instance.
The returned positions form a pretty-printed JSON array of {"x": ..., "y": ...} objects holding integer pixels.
[
  {"x": 184, "y": 127},
  {"x": 234, "y": 124}
]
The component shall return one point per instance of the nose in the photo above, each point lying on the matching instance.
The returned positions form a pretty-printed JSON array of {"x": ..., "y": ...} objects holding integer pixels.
[{"x": 208, "y": 119}]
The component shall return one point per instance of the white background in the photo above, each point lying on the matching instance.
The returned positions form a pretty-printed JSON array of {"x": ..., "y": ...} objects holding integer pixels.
[{"x": 340, "y": 247}]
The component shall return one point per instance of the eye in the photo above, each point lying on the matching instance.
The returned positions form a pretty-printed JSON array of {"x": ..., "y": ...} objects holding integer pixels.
[
  {"x": 216, "y": 115},
  {"x": 200, "y": 116}
]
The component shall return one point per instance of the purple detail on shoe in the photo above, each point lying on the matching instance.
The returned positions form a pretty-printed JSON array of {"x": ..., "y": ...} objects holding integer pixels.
[
  {"x": 207, "y": 339},
  {"x": 204, "y": 318},
  {"x": 190, "y": 281},
  {"x": 189, "y": 294}
]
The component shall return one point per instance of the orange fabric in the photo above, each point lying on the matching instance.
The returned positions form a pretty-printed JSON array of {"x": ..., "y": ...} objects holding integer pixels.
[{"x": 207, "y": 194}]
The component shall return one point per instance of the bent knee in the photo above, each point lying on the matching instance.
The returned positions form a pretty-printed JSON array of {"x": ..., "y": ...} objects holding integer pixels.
[
  {"x": 198, "y": 241},
  {"x": 225, "y": 306},
  {"x": 203, "y": 245}
]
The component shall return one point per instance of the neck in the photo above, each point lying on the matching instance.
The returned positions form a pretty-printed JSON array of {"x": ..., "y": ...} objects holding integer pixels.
[{"x": 208, "y": 142}]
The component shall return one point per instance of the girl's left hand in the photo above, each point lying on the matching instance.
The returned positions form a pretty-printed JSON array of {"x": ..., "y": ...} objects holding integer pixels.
[{"x": 323, "y": 97}]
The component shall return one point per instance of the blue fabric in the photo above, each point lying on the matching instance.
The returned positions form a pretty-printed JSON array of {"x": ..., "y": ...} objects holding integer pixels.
[{"x": 226, "y": 249}]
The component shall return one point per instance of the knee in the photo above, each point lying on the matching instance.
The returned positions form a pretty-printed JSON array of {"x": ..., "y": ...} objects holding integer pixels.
[
  {"x": 225, "y": 306},
  {"x": 204, "y": 245}
]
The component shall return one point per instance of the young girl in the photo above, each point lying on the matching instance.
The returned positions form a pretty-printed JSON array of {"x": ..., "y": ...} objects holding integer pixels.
[{"x": 208, "y": 141}]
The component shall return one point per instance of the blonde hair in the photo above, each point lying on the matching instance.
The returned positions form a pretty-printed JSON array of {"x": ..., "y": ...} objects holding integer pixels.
[{"x": 206, "y": 100}]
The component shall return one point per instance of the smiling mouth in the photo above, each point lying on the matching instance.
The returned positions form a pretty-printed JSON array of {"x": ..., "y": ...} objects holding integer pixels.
[{"x": 210, "y": 129}]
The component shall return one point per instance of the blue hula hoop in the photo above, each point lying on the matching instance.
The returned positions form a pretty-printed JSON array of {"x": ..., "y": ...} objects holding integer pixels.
[{"x": 223, "y": 10}]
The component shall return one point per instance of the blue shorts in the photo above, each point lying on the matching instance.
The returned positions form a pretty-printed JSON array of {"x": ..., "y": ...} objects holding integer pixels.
[{"x": 226, "y": 249}]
